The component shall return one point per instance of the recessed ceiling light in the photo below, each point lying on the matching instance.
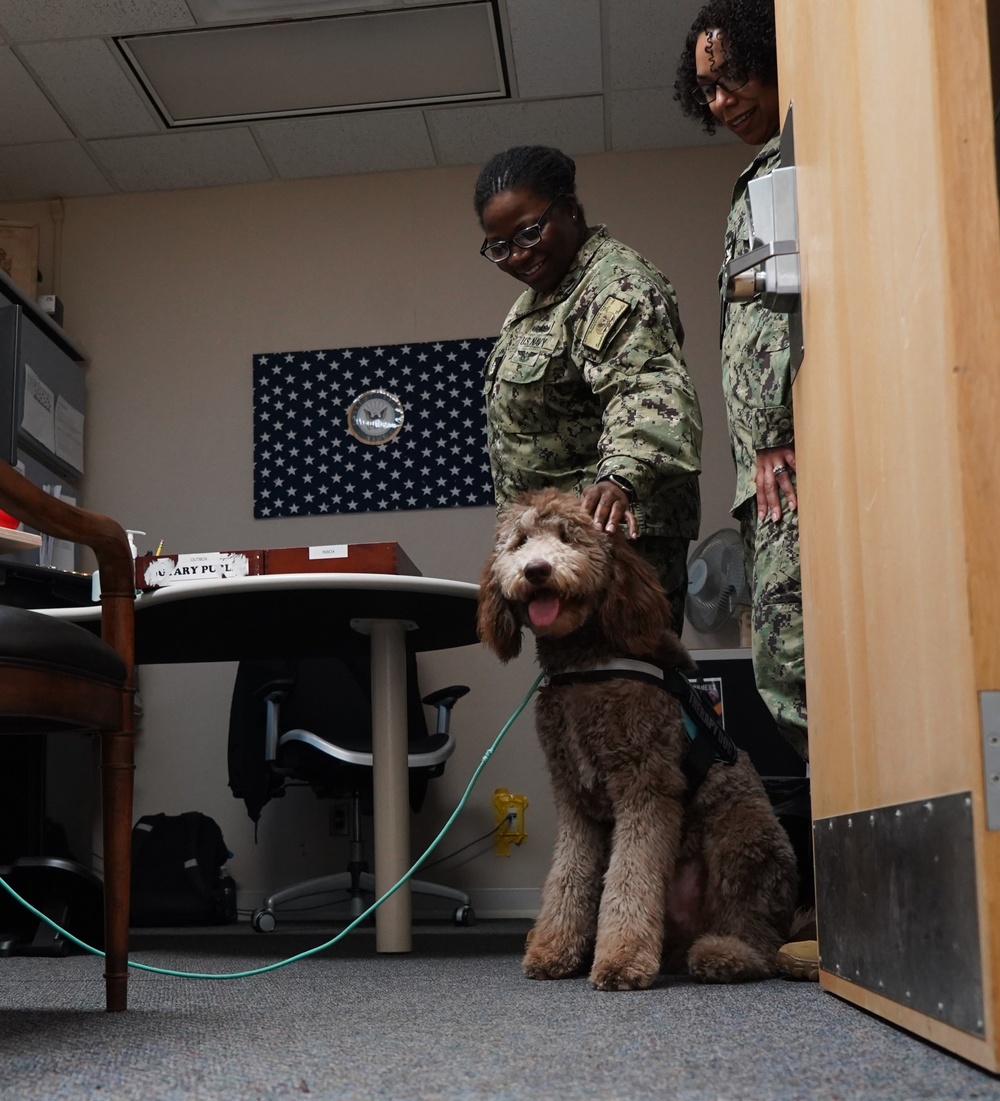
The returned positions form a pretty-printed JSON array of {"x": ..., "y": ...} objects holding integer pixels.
[
  {"x": 248, "y": 11},
  {"x": 444, "y": 53}
]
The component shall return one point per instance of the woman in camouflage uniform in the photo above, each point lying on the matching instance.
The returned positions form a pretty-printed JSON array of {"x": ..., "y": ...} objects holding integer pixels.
[
  {"x": 728, "y": 76},
  {"x": 586, "y": 389}
]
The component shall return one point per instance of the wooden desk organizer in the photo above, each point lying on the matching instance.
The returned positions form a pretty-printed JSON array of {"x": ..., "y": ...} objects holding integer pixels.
[{"x": 155, "y": 571}]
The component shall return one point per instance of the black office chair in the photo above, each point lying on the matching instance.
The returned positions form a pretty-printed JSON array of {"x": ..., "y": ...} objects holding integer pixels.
[{"x": 310, "y": 721}]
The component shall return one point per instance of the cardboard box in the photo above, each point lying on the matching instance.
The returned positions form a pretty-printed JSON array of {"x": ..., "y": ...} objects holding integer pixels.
[
  {"x": 341, "y": 558},
  {"x": 154, "y": 571}
]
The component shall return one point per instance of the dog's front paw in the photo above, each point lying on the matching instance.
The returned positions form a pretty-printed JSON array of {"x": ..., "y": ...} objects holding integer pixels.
[
  {"x": 547, "y": 958},
  {"x": 727, "y": 959},
  {"x": 626, "y": 972}
]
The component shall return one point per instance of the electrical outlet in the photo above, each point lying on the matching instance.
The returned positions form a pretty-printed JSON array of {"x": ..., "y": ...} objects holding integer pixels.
[
  {"x": 339, "y": 812},
  {"x": 509, "y": 809}
]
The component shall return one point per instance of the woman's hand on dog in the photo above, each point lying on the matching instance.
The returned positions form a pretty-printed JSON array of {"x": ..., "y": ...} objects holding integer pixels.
[{"x": 610, "y": 506}]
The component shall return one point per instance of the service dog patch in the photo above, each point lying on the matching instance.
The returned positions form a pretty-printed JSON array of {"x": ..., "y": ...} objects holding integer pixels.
[{"x": 607, "y": 317}]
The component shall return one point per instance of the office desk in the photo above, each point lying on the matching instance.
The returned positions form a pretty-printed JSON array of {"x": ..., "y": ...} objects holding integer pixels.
[{"x": 312, "y": 615}]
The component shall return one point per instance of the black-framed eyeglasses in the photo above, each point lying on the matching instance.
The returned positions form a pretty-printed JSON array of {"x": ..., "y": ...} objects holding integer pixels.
[
  {"x": 705, "y": 93},
  {"x": 524, "y": 238}
]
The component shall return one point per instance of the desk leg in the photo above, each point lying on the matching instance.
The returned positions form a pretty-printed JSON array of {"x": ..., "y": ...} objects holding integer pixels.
[{"x": 393, "y": 919}]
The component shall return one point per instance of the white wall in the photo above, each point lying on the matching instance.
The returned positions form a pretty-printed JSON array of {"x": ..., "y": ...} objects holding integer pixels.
[{"x": 171, "y": 294}]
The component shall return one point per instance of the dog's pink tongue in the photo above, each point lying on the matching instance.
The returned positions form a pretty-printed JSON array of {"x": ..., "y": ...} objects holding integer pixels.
[{"x": 543, "y": 610}]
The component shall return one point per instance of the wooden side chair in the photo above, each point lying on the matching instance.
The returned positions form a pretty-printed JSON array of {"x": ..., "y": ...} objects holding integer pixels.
[{"x": 56, "y": 676}]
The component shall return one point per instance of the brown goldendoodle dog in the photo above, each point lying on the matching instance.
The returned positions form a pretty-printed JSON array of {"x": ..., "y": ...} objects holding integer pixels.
[{"x": 650, "y": 869}]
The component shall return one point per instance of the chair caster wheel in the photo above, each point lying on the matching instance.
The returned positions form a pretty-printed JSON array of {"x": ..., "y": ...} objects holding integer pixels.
[
  {"x": 263, "y": 921},
  {"x": 464, "y": 915}
]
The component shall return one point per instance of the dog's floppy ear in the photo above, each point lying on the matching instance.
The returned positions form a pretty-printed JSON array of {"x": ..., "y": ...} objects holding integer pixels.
[
  {"x": 498, "y": 629},
  {"x": 635, "y": 613}
]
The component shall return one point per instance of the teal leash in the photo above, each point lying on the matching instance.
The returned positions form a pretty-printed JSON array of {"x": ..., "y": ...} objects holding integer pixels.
[{"x": 343, "y": 933}]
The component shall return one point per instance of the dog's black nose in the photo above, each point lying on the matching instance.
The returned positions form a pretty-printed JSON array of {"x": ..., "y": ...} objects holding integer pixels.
[{"x": 538, "y": 571}]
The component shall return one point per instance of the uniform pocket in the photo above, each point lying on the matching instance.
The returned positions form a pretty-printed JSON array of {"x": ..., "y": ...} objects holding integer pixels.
[
  {"x": 527, "y": 360},
  {"x": 526, "y": 395}
]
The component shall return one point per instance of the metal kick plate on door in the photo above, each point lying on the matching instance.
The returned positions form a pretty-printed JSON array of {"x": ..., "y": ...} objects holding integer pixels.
[{"x": 897, "y": 906}]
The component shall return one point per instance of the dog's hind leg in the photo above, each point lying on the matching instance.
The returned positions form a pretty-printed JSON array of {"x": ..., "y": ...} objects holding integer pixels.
[
  {"x": 561, "y": 941},
  {"x": 631, "y": 923},
  {"x": 750, "y": 895}
]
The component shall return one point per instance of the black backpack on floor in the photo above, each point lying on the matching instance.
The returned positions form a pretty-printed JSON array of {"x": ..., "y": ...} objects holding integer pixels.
[{"x": 177, "y": 872}]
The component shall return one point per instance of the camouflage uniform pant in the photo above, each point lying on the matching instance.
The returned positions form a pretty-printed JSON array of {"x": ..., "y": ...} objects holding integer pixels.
[
  {"x": 771, "y": 555},
  {"x": 668, "y": 556}
]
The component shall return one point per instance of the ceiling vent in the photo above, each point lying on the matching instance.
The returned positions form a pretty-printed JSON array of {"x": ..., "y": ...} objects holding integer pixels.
[{"x": 443, "y": 53}]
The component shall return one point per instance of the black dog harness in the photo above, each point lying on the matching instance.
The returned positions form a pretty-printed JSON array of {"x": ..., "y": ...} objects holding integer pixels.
[{"x": 708, "y": 741}]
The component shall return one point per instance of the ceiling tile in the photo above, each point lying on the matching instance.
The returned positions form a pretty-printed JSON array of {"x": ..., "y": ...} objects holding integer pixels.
[
  {"x": 471, "y": 135},
  {"x": 337, "y": 145},
  {"x": 51, "y": 170},
  {"x": 645, "y": 39},
  {"x": 35, "y": 119},
  {"x": 651, "y": 119},
  {"x": 90, "y": 87},
  {"x": 208, "y": 158},
  {"x": 38, "y": 20},
  {"x": 588, "y": 75},
  {"x": 556, "y": 47}
]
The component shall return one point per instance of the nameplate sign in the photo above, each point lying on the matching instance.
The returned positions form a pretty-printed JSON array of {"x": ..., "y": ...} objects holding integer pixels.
[{"x": 154, "y": 571}]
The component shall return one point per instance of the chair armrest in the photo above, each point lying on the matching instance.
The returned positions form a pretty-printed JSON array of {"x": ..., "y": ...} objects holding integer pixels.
[
  {"x": 106, "y": 538},
  {"x": 445, "y": 699}
]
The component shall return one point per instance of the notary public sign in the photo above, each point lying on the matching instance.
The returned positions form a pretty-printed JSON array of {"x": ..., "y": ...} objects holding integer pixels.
[{"x": 152, "y": 571}]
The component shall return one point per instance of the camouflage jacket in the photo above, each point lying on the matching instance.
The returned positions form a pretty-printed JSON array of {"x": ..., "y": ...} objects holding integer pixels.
[
  {"x": 756, "y": 366},
  {"x": 589, "y": 380}
]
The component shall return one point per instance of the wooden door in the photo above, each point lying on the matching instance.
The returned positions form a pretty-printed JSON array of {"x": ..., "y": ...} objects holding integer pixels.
[{"x": 897, "y": 423}]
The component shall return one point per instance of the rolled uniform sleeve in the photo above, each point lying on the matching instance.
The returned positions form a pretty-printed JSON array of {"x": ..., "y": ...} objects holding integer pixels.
[{"x": 651, "y": 424}]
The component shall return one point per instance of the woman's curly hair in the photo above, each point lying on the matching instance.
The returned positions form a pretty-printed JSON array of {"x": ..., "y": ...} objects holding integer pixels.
[{"x": 748, "y": 26}]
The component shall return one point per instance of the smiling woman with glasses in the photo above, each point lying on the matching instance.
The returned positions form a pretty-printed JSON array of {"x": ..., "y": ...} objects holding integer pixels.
[
  {"x": 727, "y": 38},
  {"x": 586, "y": 389}
]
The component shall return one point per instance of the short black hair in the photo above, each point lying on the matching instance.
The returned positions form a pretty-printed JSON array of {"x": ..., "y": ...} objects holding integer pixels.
[
  {"x": 748, "y": 26},
  {"x": 544, "y": 170}
]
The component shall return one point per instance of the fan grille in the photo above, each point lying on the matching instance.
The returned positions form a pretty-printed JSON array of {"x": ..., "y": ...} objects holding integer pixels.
[{"x": 717, "y": 585}]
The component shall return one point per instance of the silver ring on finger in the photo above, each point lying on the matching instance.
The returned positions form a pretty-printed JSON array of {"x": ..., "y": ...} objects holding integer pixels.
[{"x": 778, "y": 470}]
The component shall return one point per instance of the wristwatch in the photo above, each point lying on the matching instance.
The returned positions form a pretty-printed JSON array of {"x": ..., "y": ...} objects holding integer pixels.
[{"x": 622, "y": 483}]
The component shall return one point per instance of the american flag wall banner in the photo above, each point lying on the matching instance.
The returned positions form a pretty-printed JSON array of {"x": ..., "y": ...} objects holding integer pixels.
[{"x": 382, "y": 428}]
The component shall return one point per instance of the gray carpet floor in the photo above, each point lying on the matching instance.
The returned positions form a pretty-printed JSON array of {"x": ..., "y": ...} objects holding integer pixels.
[{"x": 454, "y": 1020}]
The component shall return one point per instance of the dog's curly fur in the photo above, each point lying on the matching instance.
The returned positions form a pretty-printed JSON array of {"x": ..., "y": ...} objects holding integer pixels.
[{"x": 646, "y": 876}]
